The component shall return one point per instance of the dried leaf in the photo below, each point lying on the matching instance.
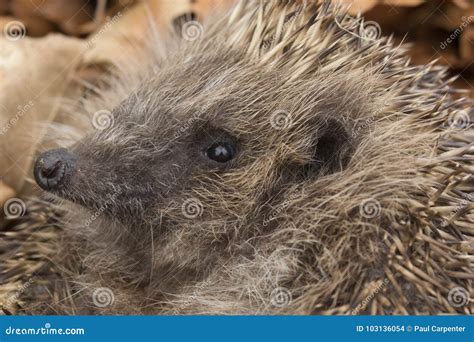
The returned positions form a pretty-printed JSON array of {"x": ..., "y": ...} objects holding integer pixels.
[
  {"x": 69, "y": 15},
  {"x": 203, "y": 8},
  {"x": 407, "y": 3},
  {"x": 34, "y": 74},
  {"x": 361, "y": 6},
  {"x": 466, "y": 49},
  {"x": 4, "y": 7},
  {"x": 6, "y": 193},
  {"x": 127, "y": 32}
]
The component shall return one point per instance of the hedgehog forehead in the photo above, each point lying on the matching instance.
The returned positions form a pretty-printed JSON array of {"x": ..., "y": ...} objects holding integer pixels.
[
  {"x": 240, "y": 98},
  {"x": 208, "y": 89}
]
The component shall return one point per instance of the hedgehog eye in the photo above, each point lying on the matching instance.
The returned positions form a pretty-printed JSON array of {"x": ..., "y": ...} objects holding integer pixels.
[{"x": 220, "y": 152}]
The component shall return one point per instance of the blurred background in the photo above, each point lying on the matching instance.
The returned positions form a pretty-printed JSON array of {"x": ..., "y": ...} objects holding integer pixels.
[
  {"x": 441, "y": 29},
  {"x": 53, "y": 50}
]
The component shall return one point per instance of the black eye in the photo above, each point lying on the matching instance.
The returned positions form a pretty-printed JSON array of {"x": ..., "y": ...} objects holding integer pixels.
[{"x": 221, "y": 152}]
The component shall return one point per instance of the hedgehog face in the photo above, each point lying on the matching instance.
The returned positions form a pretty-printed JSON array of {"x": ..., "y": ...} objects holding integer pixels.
[{"x": 200, "y": 142}]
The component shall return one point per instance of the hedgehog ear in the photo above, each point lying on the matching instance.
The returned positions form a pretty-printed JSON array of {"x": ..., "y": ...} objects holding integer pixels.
[{"x": 332, "y": 150}]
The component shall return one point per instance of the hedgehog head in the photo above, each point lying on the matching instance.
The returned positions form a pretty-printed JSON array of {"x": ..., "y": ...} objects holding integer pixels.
[
  {"x": 213, "y": 145},
  {"x": 208, "y": 135}
]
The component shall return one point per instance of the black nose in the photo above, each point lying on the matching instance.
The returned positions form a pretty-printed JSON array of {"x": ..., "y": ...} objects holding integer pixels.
[{"x": 54, "y": 168}]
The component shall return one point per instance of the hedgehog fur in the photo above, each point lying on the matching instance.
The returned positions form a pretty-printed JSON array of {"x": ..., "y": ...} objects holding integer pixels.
[{"x": 351, "y": 189}]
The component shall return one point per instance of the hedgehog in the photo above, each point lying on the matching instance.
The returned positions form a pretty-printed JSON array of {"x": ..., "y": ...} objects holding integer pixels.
[{"x": 279, "y": 158}]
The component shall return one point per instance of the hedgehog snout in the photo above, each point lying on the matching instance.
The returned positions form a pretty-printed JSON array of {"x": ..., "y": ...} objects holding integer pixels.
[{"x": 54, "y": 168}]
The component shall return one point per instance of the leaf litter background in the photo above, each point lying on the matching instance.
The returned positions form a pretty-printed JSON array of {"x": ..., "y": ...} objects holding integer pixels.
[{"x": 50, "y": 50}]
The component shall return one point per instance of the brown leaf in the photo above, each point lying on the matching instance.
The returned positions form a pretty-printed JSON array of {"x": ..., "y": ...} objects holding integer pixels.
[
  {"x": 203, "y": 8},
  {"x": 129, "y": 31},
  {"x": 32, "y": 26},
  {"x": 34, "y": 74},
  {"x": 361, "y": 6},
  {"x": 6, "y": 193},
  {"x": 407, "y": 3},
  {"x": 466, "y": 49},
  {"x": 4, "y": 7},
  {"x": 69, "y": 15}
]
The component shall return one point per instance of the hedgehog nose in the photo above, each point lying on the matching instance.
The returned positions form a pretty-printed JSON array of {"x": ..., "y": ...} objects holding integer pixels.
[{"x": 53, "y": 168}]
